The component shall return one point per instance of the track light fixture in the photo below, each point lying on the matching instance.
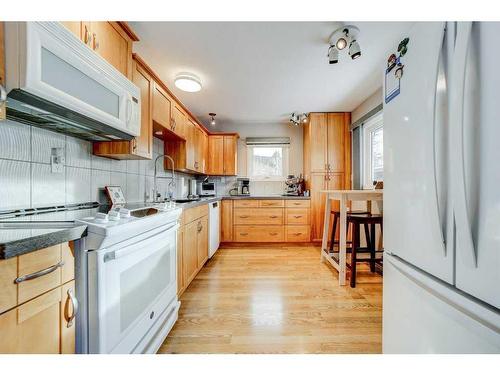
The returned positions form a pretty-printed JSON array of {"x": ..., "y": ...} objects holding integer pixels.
[
  {"x": 340, "y": 39},
  {"x": 212, "y": 118},
  {"x": 298, "y": 118}
]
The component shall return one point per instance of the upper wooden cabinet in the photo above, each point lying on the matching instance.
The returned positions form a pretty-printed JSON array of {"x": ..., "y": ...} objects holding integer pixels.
[
  {"x": 140, "y": 147},
  {"x": 179, "y": 119},
  {"x": 112, "y": 40},
  {"x": 162, "y": 103},
  {"x": 222, "y": 154}
]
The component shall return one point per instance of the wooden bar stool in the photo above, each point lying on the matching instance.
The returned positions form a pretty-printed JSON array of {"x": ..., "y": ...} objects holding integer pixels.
[
  {"x": 336, "y": 217},
  {"x": 356, "y": 221}
]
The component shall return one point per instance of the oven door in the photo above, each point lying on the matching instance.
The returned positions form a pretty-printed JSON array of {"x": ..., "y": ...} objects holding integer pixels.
[{"x": 131, "y": 285}]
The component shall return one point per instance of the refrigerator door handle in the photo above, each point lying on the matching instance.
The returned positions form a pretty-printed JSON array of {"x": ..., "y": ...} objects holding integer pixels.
[
  {"x": 440, "y": 126},
  {"x": 462, "y": 220}
]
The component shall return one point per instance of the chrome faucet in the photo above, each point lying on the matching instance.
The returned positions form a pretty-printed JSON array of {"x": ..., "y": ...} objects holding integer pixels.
[{"x": 157, "y": 195}]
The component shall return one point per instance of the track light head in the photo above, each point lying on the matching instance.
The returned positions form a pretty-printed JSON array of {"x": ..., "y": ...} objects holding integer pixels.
[
  {"x": 354, "y": 50},
  {"x": 333, "y": 55}
]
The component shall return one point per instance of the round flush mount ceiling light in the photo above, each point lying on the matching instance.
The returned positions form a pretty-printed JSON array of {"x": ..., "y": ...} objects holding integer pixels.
[{"x": 188, "y": 82}]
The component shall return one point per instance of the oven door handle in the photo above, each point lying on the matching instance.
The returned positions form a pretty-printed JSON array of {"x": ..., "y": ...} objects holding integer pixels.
[{"x": 112, "y": 255}]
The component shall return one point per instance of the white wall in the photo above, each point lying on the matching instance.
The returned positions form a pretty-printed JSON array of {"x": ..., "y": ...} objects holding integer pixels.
[
  {"x": 371, "y": 102},
  {"x": 266, "y": 130}
]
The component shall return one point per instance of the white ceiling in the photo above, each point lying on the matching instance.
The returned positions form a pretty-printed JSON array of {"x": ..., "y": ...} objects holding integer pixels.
[{"x": 263, "y": 71}]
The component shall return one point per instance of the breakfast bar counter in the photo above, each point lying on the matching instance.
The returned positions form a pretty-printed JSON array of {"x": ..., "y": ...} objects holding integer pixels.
[{"x": 343, "y": 196}]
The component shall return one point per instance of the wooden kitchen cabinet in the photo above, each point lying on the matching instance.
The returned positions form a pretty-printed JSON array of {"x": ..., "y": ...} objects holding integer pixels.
[
  {"x": 161, "y": 112},
  {"x": 265, "y": 220},
  {"x": 179, "y": 119},
  {"x": 222, "y": 154},
  {"x": 110, "y": 39},
  {"x": 215, "y": 155},
  {"x": 202, "y": 245},
  {"x": 140, "y": 147},
  {"x": 34, "y": 314},
  {"x": 327, "y": 161},
  {"x": 226, "y": 220},
  {"x": 193, "y": 245},
  {"x": 3, "y": 112},
  {"x": 230, "y": 155}
]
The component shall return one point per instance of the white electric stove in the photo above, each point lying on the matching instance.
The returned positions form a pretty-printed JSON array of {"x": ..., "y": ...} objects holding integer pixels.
[{"x": 127, "y": 279}]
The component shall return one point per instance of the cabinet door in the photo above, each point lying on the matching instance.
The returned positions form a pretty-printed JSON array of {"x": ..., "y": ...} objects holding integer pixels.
[
  {"x": 161, "y": 108},
  {"x": 202, "y": 229},
  {"x": 179, "y": 121},
  {"x": 112, "y": 43},
  {"x": 318, "y": 181},
  {"x": 191, "y": 134},
  {"x": 336, "y": 142},
  {"x": 230, "y": 155},
  {"x": 68, "y": 316},
  {"x": 215, "y": 155},
  {"x": 190, "y": 253},
  {"x": 143, "y": 144},
  {"x": 227, "y": 221},
  {"x": 32, "y": 327},
  {"x": 204, "y": 159},
  {"x": 180, "y": 261},
  {"x": 318, "y": 139}
]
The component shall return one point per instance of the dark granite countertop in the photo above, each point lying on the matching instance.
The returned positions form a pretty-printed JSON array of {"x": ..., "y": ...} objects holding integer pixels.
[{"x": 277, "y": 196}]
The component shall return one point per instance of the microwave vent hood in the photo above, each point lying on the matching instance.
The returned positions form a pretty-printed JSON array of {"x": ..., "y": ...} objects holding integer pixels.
[
  {"x": 31, "y": 110},
  {"x": 56, "y": 82}
]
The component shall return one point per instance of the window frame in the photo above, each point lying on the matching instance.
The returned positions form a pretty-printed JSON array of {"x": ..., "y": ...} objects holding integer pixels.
[
  {"x": 369, "y": 127},
  {"x": 285, "y": 167}
]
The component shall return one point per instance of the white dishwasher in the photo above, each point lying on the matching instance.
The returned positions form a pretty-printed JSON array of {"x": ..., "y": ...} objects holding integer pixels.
[{"x": 213, "y": 226}]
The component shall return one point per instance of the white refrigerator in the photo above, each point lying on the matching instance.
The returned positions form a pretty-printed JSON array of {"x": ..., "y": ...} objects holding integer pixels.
[{"x": 442, "y": 192}]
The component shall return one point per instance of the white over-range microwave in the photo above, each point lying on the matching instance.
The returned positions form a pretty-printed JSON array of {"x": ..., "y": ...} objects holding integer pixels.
[{"x": 56, "y": 82}]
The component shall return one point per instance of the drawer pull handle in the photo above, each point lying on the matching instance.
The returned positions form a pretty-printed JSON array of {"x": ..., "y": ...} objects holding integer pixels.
[
  {"x": 297, "y": 216},
  {"x": 74, "y": 305},
  {"x": 297, "y": 204},
  {"x": 244, "y": 234},
  {"x": 38, "y": 274},
  {"x": 243, "y": 216},
  {"x": 273, "y": 234},
  {"x": 297, "y": 234},
  {"x": 273, "y": 216}
]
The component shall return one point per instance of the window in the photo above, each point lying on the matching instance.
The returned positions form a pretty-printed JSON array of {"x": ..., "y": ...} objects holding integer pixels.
[
  {"x": 373, "y": 151},
  {"x": 267, "y": 162}
]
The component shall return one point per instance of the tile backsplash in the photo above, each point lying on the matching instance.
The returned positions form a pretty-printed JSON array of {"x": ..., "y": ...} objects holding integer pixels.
[{"x": 26, "y": 179}]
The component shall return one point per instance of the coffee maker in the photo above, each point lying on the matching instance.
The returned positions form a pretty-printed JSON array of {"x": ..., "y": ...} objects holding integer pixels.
[{"x": 243, "y": 186}]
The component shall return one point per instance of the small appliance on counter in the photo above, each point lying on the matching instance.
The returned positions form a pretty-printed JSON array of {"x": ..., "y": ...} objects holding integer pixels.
[
  {"x": 192, "y": 189},
  {"x": 206, "y": 189},
  {"x": 242, "y": 187},
  {"x": 294, "y": 186}
]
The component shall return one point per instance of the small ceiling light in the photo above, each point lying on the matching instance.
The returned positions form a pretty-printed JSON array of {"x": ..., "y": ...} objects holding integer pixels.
[
  {"x": 188, "y": 82},
  {"x": 298, "y": 118},
  {"x": 354, "y": 50},
  {"x": 333, "y": 55},
  {"x": 212, "y": 118},
  {"x": 341, "y": 38}
]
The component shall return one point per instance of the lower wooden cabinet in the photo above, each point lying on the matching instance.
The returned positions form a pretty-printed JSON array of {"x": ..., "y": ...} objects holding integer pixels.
[
  {"x": 38, "y": 315},
  {"x": 43, "y": 325},
  {"x": 265, "y": 220},
  {"x": 192, "y": 245}
]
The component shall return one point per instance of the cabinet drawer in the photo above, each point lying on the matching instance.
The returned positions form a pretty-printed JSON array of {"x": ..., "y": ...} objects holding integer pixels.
[
  {"x": 272, "y": 203},
  {"x": 36, "y": 261},
  {"x": 194, "y": 213},
  {"x": 297, "y": 216},
  {"x": 258, "y": 233},
  {"x": 246, "y": 203},
  {"x": 258, "y": 216},
  {"x": 297, "y": 233},
  {"x": 298, "y": 203}
]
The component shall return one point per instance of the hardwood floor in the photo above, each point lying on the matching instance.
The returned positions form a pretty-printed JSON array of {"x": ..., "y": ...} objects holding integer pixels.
[{"x": 277, "y": 300}]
